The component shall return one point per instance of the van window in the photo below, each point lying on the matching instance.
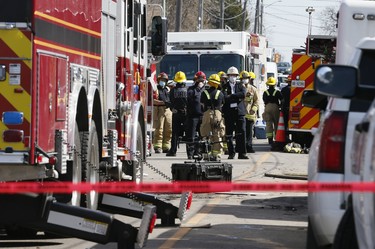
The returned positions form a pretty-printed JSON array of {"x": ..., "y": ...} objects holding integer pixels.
[
  {"x": 366, "y": 71},
  {"x": 171, "y": 64}
]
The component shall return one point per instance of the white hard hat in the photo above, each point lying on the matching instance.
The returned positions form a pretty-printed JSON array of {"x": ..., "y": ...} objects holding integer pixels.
[{"x": 232, "y": 70}]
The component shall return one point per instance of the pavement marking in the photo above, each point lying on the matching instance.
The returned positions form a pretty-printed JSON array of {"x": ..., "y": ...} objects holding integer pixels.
[
  {"x": 181, "y": 232},
  {"x": 259, "y": 162}
]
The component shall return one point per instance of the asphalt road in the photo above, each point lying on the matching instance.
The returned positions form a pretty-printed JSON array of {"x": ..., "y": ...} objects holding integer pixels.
[{"x": 221, "y": 220}]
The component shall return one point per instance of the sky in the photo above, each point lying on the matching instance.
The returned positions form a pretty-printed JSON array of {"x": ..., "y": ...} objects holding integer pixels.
[{"x": 286, "y": 22}]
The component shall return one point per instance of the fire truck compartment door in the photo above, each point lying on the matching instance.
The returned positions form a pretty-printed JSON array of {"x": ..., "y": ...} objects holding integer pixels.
[{"x": 51, "y": 99}]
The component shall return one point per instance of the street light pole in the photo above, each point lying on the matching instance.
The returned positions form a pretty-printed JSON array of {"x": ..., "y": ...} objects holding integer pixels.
[{"x": 310, "y": 10}]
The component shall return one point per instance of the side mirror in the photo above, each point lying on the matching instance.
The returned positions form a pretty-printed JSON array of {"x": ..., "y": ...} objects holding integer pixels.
[
  {"x": 159, "y": 36},
  {"x": 336, "y": 80},
  {"x": 314, "y": 100}
]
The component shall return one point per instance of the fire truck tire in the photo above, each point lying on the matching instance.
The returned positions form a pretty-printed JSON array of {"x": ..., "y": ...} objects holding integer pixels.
[
  {"x": 90, "y": 172},
  {"x": 74, "y": 173},
  {"x": 138, "y": 165}
]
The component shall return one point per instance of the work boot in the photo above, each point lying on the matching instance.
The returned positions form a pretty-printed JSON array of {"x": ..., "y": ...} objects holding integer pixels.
[
  {"x": 158, "y": 150},
  {"x": 231, "y": 156},
  {"x": 270, "y": 140},
  {"x": 250, "y": 149},
  {"x": 170, "y": 154},
  {"x": 242, "y": 156}
]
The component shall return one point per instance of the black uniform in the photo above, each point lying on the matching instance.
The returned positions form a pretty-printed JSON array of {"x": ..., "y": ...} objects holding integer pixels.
[
  {"x": 234, "y": 115},
  {"x": 193, "y": 119},
  {"x": 178, "y": 98},
  {"x": 285, "y": 92}
]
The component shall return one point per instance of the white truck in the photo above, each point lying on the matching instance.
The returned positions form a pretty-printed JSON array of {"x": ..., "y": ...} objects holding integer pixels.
[
  {"x": 212, "y": 51},
  {"x": 335, "y": 137}
]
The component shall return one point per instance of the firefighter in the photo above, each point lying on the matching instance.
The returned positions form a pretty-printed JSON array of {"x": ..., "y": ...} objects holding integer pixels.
[
  {"x": 251, "y": 104},
  {"x": 234, "y": 112},
  {"x": 223, "y": 81},
  {"x": 213, "y": 123},
  {"x": 162, "y": 116},
  {"x": 178, "y": 98},
  {"x": 285, "y": 92},
  {"x": 272, "y": 99},
  {"x": 194, "y": 114}
]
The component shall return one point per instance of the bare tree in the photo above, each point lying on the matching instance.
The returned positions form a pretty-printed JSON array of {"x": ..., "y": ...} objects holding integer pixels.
[{"x": 329, "y": 20}]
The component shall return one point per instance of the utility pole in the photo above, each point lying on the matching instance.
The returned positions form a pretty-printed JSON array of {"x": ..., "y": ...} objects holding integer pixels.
[
  {"x": 256, "y": 21},
  {"x": 200, "y": 15},
  {"x": 261, "y": 18},
  {"x": 222, "y": 9},
  {"x": 244, "y": 15},
  {"x": 178, "y": 15}
]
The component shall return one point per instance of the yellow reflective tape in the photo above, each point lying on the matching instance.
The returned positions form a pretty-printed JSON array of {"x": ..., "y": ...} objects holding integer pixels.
[
  {"x": 65, "y": 23},
  {"x": 46, "y": 44},
  {"x": 311, "y": 122},
  {"x": 20, "y": 101},
  {"x": 18, "y": 43},
  {"x": 298, "y": 63}
]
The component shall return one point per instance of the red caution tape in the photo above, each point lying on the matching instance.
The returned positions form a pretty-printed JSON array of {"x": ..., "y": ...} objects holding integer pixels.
[{"x": 178, "y": 187}]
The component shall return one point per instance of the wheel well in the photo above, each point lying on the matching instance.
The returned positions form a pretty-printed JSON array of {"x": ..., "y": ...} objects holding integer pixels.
[
  {"x": 97, "y": 117},
  {"x": 82, "y": 111}
]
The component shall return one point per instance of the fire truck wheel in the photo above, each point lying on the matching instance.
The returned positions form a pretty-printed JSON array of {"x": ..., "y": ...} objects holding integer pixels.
[
  {"x": 90, "y": 171},
  {"x": 74, "y": 173}
]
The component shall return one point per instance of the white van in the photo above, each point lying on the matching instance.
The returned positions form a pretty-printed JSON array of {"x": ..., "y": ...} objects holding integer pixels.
[{"x": 271, "y": 69}]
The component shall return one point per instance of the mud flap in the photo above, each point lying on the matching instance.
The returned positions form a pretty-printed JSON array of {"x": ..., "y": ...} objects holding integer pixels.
[{"x": 132, "y": 204}]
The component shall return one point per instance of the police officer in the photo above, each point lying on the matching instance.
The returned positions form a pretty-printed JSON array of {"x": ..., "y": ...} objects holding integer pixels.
[
  {"x": 194, "y": 113},
  {"x": 162, "y": 116},
  {"x": 178, "y": 98},
  {"x": 213, "y": 123},
  {"x": 251, "y": 104},
  {"x": 272, "y": 99},
  {"x": 234, "y": 112}
]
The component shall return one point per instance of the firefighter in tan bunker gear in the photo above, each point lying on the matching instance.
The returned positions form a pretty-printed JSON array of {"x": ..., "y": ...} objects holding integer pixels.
[
  {"x": 162, "y": 118},
  {"x": 251, "y": 105},
  {"x": 212, "y": 123},
  {"x": 223, "y": 81},
  {"x": 272, "y": 99}
]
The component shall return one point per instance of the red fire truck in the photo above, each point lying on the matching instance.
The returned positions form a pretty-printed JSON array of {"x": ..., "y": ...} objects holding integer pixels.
[
  {"x": 319, "y": 49},
  {"x": 73, "y": 94}
]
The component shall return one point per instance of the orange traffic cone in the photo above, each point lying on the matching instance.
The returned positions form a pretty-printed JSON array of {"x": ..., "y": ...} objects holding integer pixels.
[{"x": 280, "y": 133}]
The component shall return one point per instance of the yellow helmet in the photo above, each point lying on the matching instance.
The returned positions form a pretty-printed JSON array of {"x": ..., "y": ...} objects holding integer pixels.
[
  {"x": 244, "y": 75},
  {"x": 252, "y": 75},
  {"x": 271, "y": 81},
  {"x": 214, "y": 80},
  {"x": 179, "y": 77}
]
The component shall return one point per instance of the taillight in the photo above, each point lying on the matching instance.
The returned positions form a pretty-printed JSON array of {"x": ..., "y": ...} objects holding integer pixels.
[
  {"x": 13, "y": 136},
  {"x": 332, "y": 143}
]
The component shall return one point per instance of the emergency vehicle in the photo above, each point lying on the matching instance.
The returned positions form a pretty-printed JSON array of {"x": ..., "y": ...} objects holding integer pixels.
[
  {"x": 319, "y": 49},
  {"x": 73, "y": 92},
  {"x": 210, "y": 51}
]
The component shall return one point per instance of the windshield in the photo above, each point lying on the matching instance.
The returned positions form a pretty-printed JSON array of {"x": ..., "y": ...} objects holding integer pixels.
[
  {"x": 209, "y": 64},
  {"x": 171, "y": 64},
  {"x": 283, "y": 64},
  {"x": 15, "y": 11},
  {"x": 214, "y": 63}
]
